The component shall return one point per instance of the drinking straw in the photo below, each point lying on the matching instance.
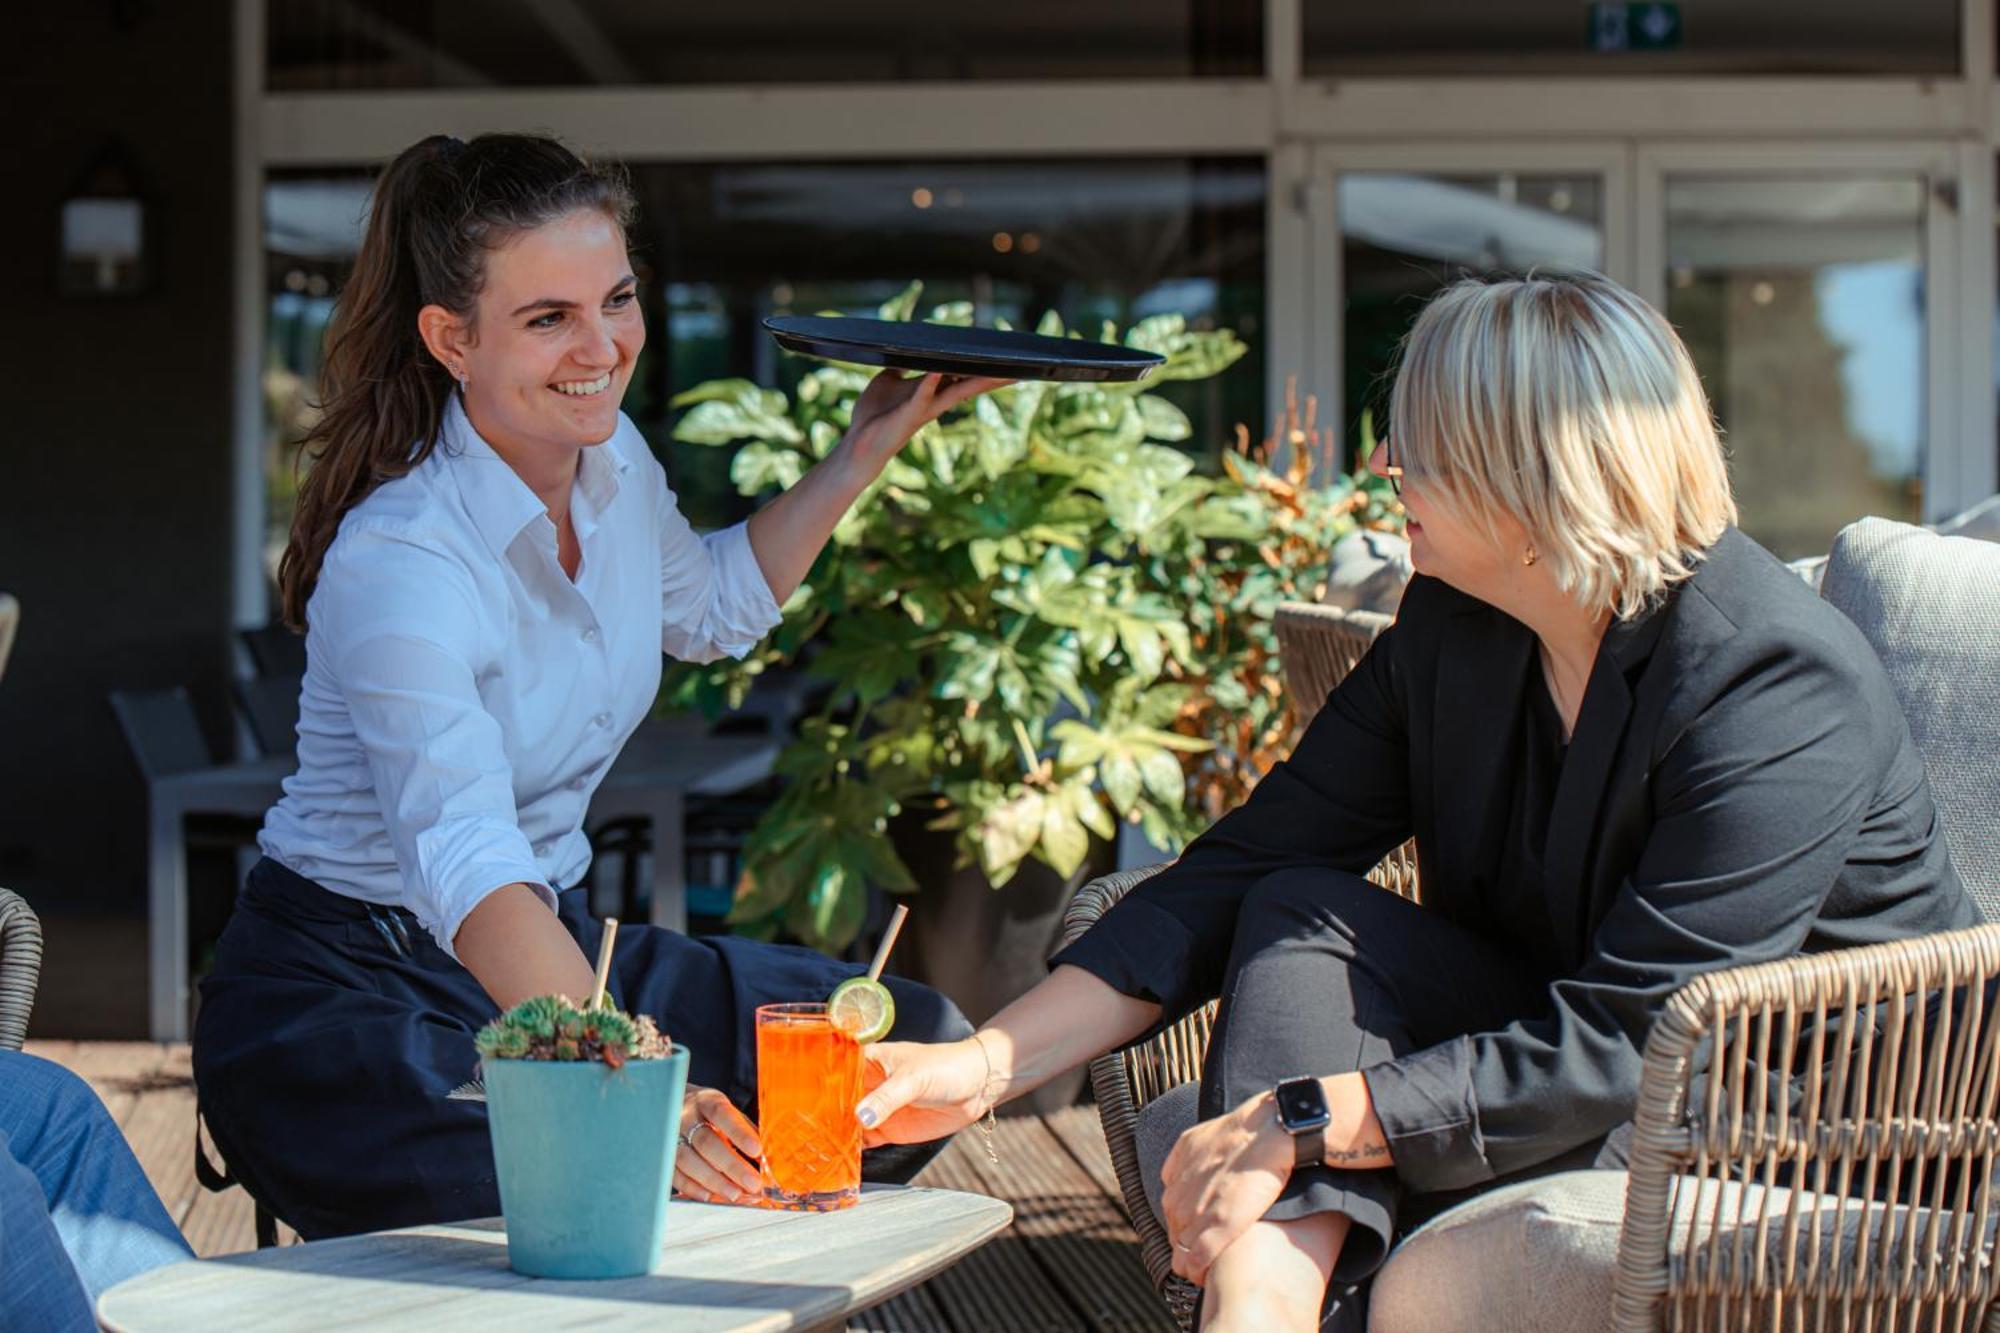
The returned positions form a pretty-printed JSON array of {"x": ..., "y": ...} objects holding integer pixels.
[
  {"x": 603, "y": 962},
  {"x": 888, "y": 942}
]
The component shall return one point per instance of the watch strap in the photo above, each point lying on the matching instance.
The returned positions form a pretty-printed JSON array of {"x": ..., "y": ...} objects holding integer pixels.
[{"x": 1308, "y": 1148}]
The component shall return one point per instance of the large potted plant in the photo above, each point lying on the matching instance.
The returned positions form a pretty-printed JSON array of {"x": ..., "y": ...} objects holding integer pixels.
[{"x": 1036, "y": 625}]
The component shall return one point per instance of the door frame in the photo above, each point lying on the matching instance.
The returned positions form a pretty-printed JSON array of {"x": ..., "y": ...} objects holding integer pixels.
[
  {"x": 1321, "y": 338},
  {"x": 1958, "y": 370}
]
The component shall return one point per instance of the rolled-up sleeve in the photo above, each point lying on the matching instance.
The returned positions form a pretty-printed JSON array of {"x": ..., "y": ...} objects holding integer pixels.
[
  {"x": 714, "y": 599},
  {"x": 407, "y": 671},
  {"x": 1756, "y": 806}
]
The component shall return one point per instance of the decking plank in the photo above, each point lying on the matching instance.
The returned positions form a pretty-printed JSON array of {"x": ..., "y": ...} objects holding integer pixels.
[{"x": 1075, "y": 1230}]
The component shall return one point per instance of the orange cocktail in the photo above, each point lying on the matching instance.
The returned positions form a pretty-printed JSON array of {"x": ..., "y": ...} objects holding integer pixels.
[{"x": 808, "y": 1081}]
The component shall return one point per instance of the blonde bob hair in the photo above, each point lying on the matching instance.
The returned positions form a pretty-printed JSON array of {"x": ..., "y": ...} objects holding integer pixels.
[{"x": 1567, "y": 403}]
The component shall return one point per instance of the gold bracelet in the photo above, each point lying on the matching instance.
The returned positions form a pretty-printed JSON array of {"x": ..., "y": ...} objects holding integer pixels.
[{"x": 987, "y": 1124}]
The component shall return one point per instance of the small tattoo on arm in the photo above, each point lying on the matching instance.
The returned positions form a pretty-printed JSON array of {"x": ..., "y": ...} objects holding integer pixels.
[{"x": 1360, "y": 1153}]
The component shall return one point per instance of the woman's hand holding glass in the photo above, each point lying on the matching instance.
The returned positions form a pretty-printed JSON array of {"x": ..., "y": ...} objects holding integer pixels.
[{"x": 918, "y": 1092}]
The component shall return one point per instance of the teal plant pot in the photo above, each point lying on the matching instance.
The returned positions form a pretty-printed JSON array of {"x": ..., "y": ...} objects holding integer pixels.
[{"x": 585, "y": 1158}]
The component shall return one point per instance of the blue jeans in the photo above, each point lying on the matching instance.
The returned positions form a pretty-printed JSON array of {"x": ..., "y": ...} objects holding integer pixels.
[{"x": 77, "y": 1215}]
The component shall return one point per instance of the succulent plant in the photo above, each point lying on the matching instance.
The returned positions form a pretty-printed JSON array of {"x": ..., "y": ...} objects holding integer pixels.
[{"x": 550, "y": 1027}]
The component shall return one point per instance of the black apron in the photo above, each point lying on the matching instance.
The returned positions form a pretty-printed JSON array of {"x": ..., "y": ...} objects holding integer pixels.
[{"x": 331, "y": 1031}]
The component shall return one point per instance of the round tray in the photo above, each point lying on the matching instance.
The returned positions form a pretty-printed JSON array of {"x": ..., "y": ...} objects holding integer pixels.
[{"x": 950, "y": 349}]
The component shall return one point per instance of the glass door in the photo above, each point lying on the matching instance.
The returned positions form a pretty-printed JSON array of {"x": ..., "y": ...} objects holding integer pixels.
[
  {"x": 1394, "y": 223},
  {"x": 1814, "y": 289}
]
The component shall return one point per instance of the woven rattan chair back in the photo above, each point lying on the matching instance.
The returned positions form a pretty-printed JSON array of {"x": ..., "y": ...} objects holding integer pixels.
[
  {"x": 20, "y": 968},
  {"x": 10, "y": 621},
  {"x": 1814, "y": 1145},
  {"x": 1317, "y": 646}
]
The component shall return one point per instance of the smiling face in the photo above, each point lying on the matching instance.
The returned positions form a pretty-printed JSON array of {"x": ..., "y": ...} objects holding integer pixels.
[{"x": 554, "y": 339}]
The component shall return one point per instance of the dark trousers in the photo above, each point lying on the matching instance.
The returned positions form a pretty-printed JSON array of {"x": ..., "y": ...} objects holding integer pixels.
[
  {"x": 1328, "y": 974},
  {"x": 331, "y": 1032}
]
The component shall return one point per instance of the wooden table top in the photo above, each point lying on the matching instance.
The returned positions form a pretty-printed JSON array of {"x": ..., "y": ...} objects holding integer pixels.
[{"x": 724, "y": 1268}]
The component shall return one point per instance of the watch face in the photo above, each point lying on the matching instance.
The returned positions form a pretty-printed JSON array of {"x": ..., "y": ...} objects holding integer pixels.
[{"x": 1302, "y": 1104}]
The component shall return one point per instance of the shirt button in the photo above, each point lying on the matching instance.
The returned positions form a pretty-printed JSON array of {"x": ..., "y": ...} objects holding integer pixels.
[
  {"x": 576, "y": 784},
  {"x": 590, "y": 635},
  {"x": 542, "y": 849},
  {"x": 602, "y": 719}
]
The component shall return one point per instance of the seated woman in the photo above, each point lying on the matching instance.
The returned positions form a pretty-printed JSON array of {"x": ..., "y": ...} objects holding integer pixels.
[
  {"x": 77, "y": 1214},
  {"x": 1631, "y": 746},
  {"x": 487, "y": 563}
]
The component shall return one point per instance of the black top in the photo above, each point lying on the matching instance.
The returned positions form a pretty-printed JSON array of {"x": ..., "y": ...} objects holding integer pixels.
[
  {"x": 1519, "y": 912},
  {"x": 1741, "y": 785}
]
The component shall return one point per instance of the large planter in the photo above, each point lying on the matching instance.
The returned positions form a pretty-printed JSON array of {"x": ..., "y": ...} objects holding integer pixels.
[
  {"x": 585, "y": 1159},
  {"x": 985, "y": 947}
]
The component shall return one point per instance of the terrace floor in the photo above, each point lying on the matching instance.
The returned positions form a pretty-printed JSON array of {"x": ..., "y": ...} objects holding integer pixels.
[{"x": 1069, "y": 1262}]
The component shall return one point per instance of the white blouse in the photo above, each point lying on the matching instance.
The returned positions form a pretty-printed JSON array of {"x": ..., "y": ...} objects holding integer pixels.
[{"x": 463, "y": 698}]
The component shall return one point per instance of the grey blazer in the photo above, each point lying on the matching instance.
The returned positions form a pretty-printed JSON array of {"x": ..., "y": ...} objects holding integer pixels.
[{"x": 1740, "y": 786}]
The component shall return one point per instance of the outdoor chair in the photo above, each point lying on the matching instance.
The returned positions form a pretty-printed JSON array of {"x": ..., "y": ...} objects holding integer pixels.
[
  {"x": 269, "y": 706},
  {"x": 1860, "y": 1193},
  {"x": 20, "y": 968},
  {"x": 274, "y": 650}
]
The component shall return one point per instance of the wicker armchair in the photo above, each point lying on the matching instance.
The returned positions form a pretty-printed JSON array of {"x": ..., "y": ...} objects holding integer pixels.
[
  {"x": 20, "y": 968},
  {"x": 1859, "y": 1194},
  {"x": 1861, "y": 1197}
]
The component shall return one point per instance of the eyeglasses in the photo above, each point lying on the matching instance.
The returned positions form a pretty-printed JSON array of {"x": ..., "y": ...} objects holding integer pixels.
[{"x": 1390, "y": 468}]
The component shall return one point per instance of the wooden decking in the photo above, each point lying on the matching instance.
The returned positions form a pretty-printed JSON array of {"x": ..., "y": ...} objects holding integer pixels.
[{"x": 1069, "y": 1262}]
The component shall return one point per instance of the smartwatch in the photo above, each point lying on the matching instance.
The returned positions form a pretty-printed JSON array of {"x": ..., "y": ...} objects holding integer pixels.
[{"x": 1303, "y": 1114}]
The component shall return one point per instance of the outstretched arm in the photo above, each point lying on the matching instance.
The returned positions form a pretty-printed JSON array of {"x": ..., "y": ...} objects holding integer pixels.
[
  {"x": 788, "y": 533},
  {"x": 925, "y": 1092}
]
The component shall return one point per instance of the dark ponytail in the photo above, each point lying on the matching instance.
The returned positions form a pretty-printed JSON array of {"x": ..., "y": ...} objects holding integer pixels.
[{"x": 435, "y": 213}]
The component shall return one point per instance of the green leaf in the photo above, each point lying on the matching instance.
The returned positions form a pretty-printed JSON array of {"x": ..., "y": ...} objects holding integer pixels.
[
  {"x": 1065, "y": 842},
  {"x": 1163, "y": 420},
  {"x": 903, "y": 305},
  {"x": 1120, "y": 776},
  {"x": 758, "y": 468},
  {"x": 1081, "y": 745},
  {"x": 926, "y": 607},
  {"x": 1008, "y": 833},
  {"x": 1142, "y": 645},
  {"x": 832, "y": 911},
  {"x": 717, "y": 422},
  {"x": 1163, "y": 776},
  {"x": 1090, "y": 810}
]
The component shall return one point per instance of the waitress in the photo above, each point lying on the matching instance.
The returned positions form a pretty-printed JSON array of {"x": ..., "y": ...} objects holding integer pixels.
[{"x": 487, "y": 564}]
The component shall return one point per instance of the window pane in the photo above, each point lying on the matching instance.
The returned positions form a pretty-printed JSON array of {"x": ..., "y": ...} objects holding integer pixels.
[
  {"x": 339, "y": 44},
  {"x": 1801, "y": 299},
  {"x": 1404, "y": 236},
  {"x": 1714, "y": 36},
  {"x": 720, "y": 246}
]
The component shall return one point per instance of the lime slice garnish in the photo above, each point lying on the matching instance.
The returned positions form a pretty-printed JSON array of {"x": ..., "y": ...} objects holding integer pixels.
[{"x": 862, "y": 1008}]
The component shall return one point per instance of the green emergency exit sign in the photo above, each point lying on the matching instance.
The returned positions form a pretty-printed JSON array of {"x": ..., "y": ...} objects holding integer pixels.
[{"x": 1642, "y": 25}]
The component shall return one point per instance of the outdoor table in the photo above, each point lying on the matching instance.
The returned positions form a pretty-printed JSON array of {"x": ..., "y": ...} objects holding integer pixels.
[
  {"x": 663, "y": 761},
  {"x": 723, "y": 1268}
]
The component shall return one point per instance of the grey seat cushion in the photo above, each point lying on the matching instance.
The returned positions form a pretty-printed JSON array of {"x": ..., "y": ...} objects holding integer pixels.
[
  {"x": 1930, "y": 605},
  {"x": 1367, "y": 571}
]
